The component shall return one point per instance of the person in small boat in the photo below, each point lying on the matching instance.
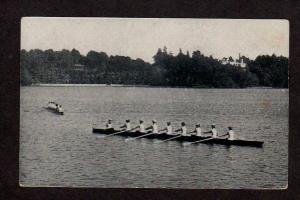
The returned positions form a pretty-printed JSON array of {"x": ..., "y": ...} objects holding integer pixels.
[
  {"x": 108, "y": 125},
  {"x": 230, "y": 133},
  {"x": 56, "y": 107},
  {"x": 154, "y": 127},
  {"x": 213, "y": 131},
  {"x": 127, "y": 125},
  {"x": 168, "y": 129},
  {"x": 183, "y": 130},
  {"x": 140, "y": 127},
  {"x": 197, "y": 131},
  {"x": 60, "y": 109}
]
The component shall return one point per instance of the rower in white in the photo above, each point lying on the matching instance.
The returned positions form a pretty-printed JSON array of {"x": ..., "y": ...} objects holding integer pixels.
[
  {"x": 127, "y": 125},
  {"x": 183, "y": 130},
  {"x": 140, "y": 127},
  {"x": 109, "y": 124},
  {"x": 168, "y": 129},
  {"x": 154, "y": 127},
  {"x": 230, "y": 133},
  {"x": 213, "y": 131},
  {"x": 197, "y": 131}
]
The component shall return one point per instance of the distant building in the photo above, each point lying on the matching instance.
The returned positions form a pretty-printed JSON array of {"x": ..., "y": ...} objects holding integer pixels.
[
  {"x": 77, "y": 73},
  {"x": 238, "y": 62},
  {"x": 78, "y": 67}
]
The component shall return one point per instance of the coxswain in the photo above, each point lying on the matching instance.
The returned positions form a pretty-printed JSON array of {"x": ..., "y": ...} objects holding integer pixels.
[
  {"x": 230, "y": 133},
  {"x": 109, "y": 124},
  {"x": 197, "y": 131},
  {"x": 154, "y": 127},
  {"x": 213, "y": 131},
  {"x": 127, "y": 125},
  {"x": 168, "y": 129},
  {"x": 183, "y": 130},
  {"x": 140, "y": 127}
]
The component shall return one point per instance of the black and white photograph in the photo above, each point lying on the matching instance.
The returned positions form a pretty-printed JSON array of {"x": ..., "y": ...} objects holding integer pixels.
[{"x": 179, "y": 103}]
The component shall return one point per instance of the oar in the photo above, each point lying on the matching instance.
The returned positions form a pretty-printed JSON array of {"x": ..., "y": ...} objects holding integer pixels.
[
  {"x": 115, "y": 133},
  {"x": 169, "y": 139},
  {"x": 128, "y": 139},
  {"x": 189, "y": 143},
  {"x": 222, "y": 135},
  {"x": 179, "y": 135}
]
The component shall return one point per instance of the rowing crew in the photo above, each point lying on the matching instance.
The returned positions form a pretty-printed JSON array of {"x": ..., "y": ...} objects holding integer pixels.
[{"x": 169, "y": 130}]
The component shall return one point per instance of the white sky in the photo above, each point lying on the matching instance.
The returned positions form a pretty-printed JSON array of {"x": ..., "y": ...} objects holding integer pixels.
[{"x": 141, "y": 37}]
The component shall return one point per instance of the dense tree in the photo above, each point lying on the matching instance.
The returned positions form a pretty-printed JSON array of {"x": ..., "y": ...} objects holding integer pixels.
[
  {"x": 272, "y": 71},
  {"x": 181, "y": 70}
]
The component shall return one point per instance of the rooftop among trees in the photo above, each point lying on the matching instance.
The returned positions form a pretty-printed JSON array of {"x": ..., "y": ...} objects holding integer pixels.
[{"x": 181, "y": 70}]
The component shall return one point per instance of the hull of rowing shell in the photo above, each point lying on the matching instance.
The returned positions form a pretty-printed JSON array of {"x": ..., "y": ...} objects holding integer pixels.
[
  {"x": 54, "y": 111},
  {"x": 193, "y": 138}
]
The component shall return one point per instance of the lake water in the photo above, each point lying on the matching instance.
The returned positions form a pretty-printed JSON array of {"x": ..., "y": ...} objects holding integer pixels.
[{"x": 62, "y": 150}]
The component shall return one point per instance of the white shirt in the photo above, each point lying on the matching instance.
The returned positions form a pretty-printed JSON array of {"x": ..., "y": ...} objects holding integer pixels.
[
  {"x": 128, "y": 126},
  {"x": 183, "y": 129},
  {"x": 198, "y": 131},
  {"x": 169, "y": 130},
  {"x": 60, "y": 109},
  {"x": 154, "y": 128},
  {"x": 214, "y": 133},
  {"x": 142, "y": 128},
  {"x": 108, "y": 125},
  {"x": 231, "y": 135}
]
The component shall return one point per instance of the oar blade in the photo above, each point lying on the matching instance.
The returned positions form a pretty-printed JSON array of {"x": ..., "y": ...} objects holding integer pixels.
[
  {"x": 128, "y": 139},
  {"x": 101, "y": 136},
  {"x": 186, "y": 143},
  {"x": 157, "y": 142}
]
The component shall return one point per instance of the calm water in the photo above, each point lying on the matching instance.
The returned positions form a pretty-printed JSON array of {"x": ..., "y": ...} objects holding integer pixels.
[{"x": 62, "y": 151}]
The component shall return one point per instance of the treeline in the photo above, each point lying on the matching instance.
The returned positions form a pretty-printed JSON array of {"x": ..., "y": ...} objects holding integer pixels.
[
  {"x": 182, "y": 70},
  {"x": 65, "y": 66}
]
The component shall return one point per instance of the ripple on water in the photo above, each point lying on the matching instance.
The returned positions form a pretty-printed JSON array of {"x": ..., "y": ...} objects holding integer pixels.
[{"x": 61, "y": 150}]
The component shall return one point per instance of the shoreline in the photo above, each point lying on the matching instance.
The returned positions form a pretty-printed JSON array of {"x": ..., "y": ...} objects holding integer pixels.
[{"x": 125, "y": 85}]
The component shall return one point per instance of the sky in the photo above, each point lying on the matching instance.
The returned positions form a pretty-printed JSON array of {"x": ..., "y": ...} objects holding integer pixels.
[{"x": 141, "y": 37}]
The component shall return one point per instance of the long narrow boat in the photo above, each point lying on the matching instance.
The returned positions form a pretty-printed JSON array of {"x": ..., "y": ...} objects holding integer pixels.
[{"x": 192, "y": 138}]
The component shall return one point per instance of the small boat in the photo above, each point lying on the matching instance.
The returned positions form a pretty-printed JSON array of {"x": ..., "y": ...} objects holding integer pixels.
[
  {"x": 192, "y": 138},
  {"x": 54, "y": 109}
]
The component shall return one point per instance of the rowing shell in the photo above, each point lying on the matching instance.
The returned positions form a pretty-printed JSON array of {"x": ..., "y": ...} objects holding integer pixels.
[{"x": 192, "y": 138}]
